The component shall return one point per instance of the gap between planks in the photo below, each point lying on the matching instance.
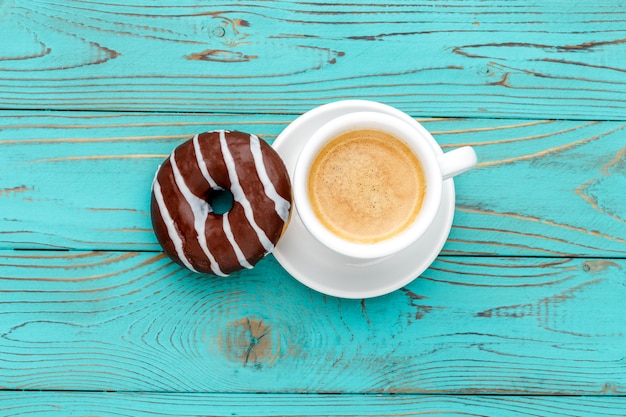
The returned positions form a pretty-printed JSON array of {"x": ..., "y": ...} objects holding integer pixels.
[{"x": 291, "y": 115}]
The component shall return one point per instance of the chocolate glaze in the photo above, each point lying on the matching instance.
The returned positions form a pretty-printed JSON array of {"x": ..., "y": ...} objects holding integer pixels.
[{"x": 184, "y": 222}]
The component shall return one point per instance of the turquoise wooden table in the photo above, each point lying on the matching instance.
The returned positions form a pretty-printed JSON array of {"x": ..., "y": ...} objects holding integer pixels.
[{"x": 522, "y": 314}]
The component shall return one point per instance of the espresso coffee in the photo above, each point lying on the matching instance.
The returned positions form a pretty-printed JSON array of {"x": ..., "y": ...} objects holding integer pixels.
[{"x": 366, "y": 186}]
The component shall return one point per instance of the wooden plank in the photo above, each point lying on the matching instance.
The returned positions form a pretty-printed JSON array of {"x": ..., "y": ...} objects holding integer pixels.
[
  {"x": 449, "y": 58},
  {"x": 129, "y": 321},
  {"x": 17, "y": 404},
  {"x": 81, "y": 180},
  {"x": 543, "y": 187}
]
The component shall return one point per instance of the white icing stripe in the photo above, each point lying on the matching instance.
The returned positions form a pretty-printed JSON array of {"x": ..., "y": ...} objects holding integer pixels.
[
  {"x": 231, "y": 238},
  {"x": 239, "y": 195},
  {"x": 280, "y": 204},
  {"x": 169, "y": 224},
  {"x": 201, "y": 210},
  {"x": 202, "y": 165}
]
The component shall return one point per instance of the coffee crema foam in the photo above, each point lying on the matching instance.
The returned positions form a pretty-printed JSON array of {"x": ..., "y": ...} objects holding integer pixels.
[{"x": 366, "y": 186}]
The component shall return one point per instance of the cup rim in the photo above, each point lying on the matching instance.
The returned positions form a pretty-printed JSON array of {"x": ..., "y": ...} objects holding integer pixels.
[{"x": 413, "y": 138}]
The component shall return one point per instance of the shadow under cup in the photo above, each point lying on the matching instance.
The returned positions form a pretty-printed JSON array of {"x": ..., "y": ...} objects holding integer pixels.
[{"x": 411, "y": 140}]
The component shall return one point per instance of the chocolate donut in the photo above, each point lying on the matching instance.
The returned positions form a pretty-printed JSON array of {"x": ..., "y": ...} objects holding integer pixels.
[{"x": 184, "y": 221}]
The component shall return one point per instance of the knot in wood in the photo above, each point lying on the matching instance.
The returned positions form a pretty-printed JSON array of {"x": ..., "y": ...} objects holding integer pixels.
[
  {"x": 218, "y": 32},
  {"x": 250, "y": 342}
]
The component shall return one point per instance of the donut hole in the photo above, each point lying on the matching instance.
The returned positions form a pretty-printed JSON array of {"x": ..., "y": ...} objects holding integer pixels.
[{"x": 220, "y": 200}]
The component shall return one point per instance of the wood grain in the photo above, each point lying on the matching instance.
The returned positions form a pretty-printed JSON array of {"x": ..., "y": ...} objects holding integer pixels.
[
  {"x": 18, "y": 404},
  {"x": 74, "y": 180},
  {"x": 522, "y": 315},
  {"x": 490, "y": 59},
  {"x": 134, "y": 321}
]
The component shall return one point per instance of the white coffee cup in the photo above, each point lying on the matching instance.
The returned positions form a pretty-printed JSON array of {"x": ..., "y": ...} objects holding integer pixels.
[{"x": 436, "y": 168}]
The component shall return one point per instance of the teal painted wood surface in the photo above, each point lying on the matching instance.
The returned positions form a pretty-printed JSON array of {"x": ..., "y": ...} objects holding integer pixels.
[
  {"x": 142, "y": 404},
  {"x": 543, "y": 187},
  {"x": 447, "y": 58},
  {"x": 126, "y": 321},
  {"x": 521, "y": 315}
]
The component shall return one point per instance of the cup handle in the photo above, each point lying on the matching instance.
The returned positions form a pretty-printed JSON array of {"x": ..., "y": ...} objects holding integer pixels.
[{"x": 457, "y": 161}]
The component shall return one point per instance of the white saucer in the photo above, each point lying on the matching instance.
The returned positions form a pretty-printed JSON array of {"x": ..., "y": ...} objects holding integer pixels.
[{"x": 323, "y": 270}]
